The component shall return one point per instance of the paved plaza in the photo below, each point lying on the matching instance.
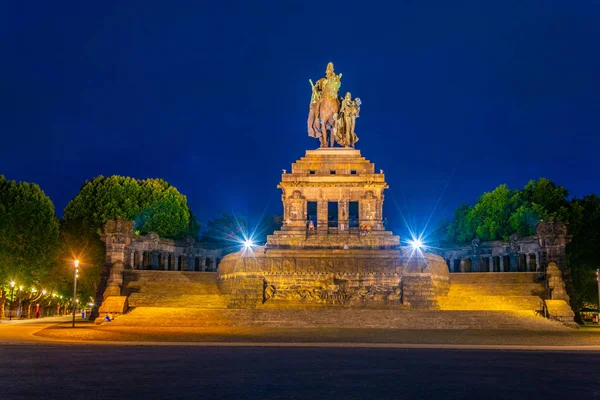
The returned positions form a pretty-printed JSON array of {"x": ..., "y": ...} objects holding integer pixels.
[{"x": 175, "y": 372}]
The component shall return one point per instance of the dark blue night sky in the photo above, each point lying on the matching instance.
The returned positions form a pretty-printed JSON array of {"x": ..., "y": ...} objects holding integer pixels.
[{"x": 213, "y": 96}]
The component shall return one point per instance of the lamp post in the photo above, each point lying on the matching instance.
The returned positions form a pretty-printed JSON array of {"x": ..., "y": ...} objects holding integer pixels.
[
  {"x": 20, "y": 302},
  {"x": 75, "y": 273},
  {"x": 12, "y": 301}
]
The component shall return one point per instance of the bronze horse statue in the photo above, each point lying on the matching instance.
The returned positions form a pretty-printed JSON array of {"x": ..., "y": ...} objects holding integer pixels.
[
  {"x": 328, "y": 113},
  {"x": 324, "y": 107}
]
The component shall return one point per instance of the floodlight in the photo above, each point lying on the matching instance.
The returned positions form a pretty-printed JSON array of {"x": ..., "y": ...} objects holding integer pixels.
[{"x": 416, "y": 244}]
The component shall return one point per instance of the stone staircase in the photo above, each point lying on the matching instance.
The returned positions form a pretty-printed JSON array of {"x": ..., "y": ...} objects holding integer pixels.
[
  {"x": 336, "y": 318},
  {"x": 173, "y": 289},
  {"x": 475, "y": 301},
  {"x": 481, "y": 291}
]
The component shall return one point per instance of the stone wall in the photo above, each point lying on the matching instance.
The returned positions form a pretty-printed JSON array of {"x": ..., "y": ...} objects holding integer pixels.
[
  {"x": 127, "y": 250},
  {"x": 347, "y": 278}
]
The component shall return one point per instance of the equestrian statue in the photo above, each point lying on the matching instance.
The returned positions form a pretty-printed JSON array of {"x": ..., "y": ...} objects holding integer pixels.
[{"x": 326, "y": 119}]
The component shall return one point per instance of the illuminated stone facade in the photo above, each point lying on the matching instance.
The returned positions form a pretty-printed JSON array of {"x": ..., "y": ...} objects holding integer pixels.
[
  {"x": 332, "y": 249},
  {"x": 527, "y": 254},
  {"x": 127, "y": 250},
  {"x": 333, "y": 198}
]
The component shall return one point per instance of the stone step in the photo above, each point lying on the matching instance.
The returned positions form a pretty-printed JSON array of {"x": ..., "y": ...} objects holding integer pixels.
[
  {"x": 496, "y": 289},
  {"x": 489, "y": 302},
  {"x": 141, "y": 276},
  {"x": 493, "y": 277},
  {"x": 185, "y": 301},
  {"x": 337, "y": 318},
  {"x": 173, "y": 288}
]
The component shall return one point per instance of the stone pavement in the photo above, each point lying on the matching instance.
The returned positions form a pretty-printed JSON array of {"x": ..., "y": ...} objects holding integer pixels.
[{"x": 24, "y": 329}]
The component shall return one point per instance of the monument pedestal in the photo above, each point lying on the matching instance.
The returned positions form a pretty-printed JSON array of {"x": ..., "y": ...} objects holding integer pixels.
[{"x": 347, "y": 259}]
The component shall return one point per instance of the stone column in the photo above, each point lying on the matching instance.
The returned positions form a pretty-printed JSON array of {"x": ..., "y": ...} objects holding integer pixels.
[
  {"x": 175, "y": 261},
  {"x": 451, "y": 268},
  {"x": 501, "y": 263},
  {"x": 367, "y": 207},
  {"x": 537, "y": 261},
  {"x": 322, "y": 216},
  {"x": 191, "y": 262},
  {"x": 213, "y": 264},
  {"x": 527, "y": 262},
  {"x": 132, "y": 259},
  {"x": 343, "y": 217},
  {"x": 203, "y": 263}
]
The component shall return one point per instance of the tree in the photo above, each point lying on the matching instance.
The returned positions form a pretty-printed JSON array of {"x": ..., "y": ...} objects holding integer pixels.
[
  {"x": 499, "y": 213},
  {"x": 583, "y": 253},
  {"x": 153, "y": 204},
  {"x": 502, "y": 212},
  {"x": 28, "y": 235}
]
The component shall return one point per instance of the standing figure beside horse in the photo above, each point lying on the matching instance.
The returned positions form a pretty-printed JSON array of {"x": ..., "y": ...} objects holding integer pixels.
[{"x": 326, "y": 120}]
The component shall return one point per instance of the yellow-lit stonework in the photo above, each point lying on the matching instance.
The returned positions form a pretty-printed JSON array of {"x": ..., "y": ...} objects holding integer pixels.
[{"x": 344, "y": 258}]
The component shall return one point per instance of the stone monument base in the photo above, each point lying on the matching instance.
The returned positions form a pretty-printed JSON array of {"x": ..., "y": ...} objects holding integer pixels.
[{"x": 291, "y": 278}]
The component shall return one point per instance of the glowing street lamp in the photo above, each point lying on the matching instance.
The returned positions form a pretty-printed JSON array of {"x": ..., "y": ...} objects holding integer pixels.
[
  {"x": 20, "y": 301},
  {"x": 12, "y": 301},
  {"x": 75, "y": 274}
]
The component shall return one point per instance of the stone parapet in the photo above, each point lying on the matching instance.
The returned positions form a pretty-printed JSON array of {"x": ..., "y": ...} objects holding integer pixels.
[{"x": 346, "y": 278}]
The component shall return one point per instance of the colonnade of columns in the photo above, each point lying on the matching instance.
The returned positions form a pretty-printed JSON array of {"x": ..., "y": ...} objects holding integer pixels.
[
  {"x": 163, "y": 260},
  {"x": 522, "y": 262},
  {"x": 366, "y": 212}
]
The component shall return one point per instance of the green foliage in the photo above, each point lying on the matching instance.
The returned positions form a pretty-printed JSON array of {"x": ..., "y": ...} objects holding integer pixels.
[
  {"x": 502, "y": 212},
  {"x": 461, "y": 229},
  {"x": 499, "y": 213},
  {"x": 28, "y": 234},
  {"x": 584, "y": 250},
  {"x": 153, "y": 204}
]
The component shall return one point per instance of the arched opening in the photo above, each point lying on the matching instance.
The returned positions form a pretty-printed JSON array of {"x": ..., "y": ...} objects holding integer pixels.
[
  {"x": 353, "y": 216},
  {"x": 332, "y": 215},
  {"x": 465, "y": 265},
  {"x": 484, "y": 264},
  {"x": 496, "y": 264},
  {"x": 145, "y": 260},
  {"x": 506, "y": 263},
  {"x": 522, "y": 263},
  {"x": 180, "y": 263},
  {"x": 456, "y": 265},
  {"x": 311, "y": 212},
  {"x": 197, "y": 264},
  {"x": 531, "y": 266}
]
